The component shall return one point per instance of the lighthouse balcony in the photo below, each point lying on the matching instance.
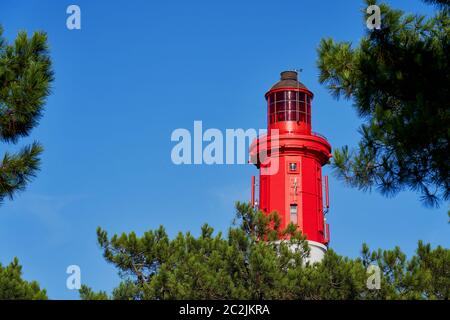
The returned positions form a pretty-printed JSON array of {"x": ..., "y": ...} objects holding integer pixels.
[{"x": 271, "y": 145}]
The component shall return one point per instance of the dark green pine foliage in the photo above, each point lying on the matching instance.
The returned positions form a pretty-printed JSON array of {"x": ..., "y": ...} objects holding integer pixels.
[
  {"x": 398, "y": 78},
  {"x": 13, "y": 287},
  {"x": 25, "y": 78},
  {"x": 247, "y": 265},
  {"x": 440, "y": 3}
]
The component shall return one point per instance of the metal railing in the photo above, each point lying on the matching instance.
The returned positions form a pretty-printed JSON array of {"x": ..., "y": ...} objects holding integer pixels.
[{"x": 319, "y": 135}]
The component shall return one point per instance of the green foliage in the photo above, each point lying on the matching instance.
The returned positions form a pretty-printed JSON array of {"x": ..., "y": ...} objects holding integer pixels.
[
  {"x": 25, "y": 78},
  {"x": 13, "y": 287},
  {"x": 440, "y": 3},
  {"x": 425, "y": 276},
  {"x": 250, "y": 264},
  {"x": 86, "y": 293},
  {"x": 398, "y": 78}
]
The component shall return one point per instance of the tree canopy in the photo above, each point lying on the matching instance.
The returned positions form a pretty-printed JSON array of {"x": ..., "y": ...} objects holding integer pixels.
[
  {"x": 25, "y": 78},
  {"x": 246, "y": 265},
  {"x": 13, "y": 287},
  {"x": 398, "y": 78}
]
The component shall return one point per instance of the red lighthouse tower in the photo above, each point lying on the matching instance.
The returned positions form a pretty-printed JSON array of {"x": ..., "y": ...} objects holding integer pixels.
[{"x": 290, "y": 159}]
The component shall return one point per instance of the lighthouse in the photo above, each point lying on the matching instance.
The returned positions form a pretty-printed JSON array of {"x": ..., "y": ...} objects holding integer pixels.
[{"x": 290, "y": 157}]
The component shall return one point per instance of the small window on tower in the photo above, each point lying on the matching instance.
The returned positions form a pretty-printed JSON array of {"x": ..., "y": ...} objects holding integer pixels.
[
  {"x": 292, "y": 166},
  {"x": 294, "y": 214}
]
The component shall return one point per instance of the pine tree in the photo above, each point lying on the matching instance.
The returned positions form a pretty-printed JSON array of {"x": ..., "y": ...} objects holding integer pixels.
[
  {"x": 398, "y": 78},
  {"x": 247, "y": 264},
  {"x": 25, "y": 78},
  {"x": 12, "y": 286}
]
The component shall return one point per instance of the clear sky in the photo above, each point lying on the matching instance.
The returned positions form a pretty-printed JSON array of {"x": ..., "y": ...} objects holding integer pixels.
[{"x": 136, "y": 71}]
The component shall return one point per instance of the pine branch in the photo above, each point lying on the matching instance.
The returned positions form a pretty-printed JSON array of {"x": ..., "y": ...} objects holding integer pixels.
[
  {"x": 16, "y": 170},
  {"x": 25, "y": 78}
]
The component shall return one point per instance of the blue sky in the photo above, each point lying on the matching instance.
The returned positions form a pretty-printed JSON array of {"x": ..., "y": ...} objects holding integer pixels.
[{"x": 136, "y": 71}]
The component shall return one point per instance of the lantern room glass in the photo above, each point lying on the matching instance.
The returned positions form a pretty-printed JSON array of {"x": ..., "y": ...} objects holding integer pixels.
[{"x": 289, "y": 106}]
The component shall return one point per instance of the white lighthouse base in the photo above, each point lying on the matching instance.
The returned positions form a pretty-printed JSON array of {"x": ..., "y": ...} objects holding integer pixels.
[{"x": 317, "y": 251}]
